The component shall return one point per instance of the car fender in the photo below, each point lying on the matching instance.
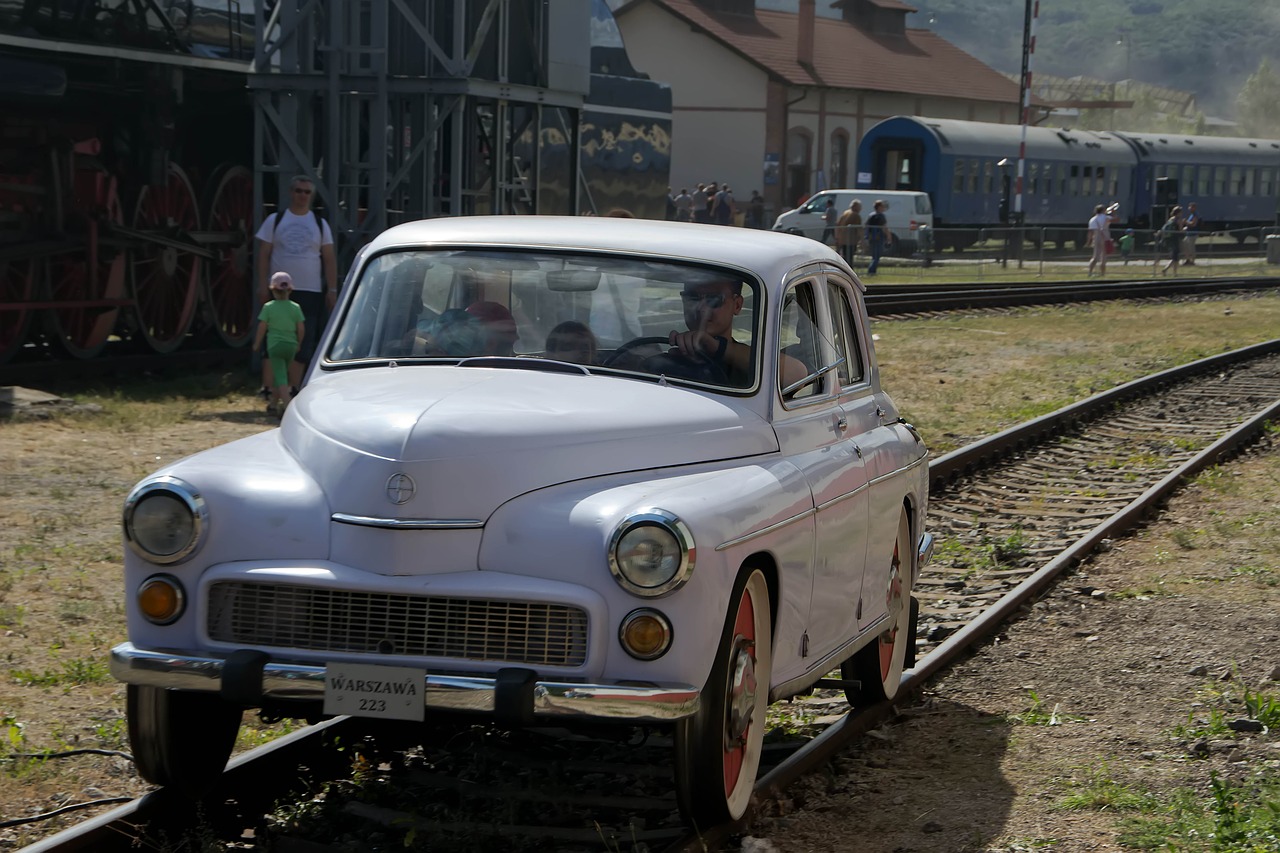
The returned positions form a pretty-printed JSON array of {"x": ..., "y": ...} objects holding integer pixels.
[
  {"x": 259, "y": 504},
  {"x": 563, "y": 533}
]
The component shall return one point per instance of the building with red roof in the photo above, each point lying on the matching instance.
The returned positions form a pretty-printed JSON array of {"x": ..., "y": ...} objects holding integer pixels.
[{"x": 777, "y": 101}]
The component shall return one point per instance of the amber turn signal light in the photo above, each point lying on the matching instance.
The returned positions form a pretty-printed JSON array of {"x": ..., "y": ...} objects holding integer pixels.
[
  {"x": 160, "y": 599},
  {"x": 645, "y": 634}
]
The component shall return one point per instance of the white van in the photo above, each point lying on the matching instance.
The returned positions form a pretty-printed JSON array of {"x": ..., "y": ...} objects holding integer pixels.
[{"x": 907, "y": 212}]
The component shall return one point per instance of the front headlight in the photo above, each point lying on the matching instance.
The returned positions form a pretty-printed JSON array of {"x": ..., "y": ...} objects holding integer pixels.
[
  {"x": 164, "y": 520},
  {"x": 651, "y": 553}
]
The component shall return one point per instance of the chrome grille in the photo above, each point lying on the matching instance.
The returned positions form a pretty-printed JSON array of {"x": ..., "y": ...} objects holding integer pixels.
[{"x": 302, "y": 617}]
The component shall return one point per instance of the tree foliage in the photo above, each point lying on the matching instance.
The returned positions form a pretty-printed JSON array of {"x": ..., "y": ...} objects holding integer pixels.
[
  {"x": 1210, "y": 49},
  {"x": 1257, "y": 103}
]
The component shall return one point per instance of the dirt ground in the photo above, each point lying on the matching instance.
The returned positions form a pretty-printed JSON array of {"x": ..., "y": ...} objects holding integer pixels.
[
  {"x": 1095, "y": 723},
  {"x": 1110, "y": 702},
  {"x": 62, "y": 481}
]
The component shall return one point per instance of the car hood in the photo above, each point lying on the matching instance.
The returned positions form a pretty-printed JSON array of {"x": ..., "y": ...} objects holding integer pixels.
[{"x": 470, "y": 438}]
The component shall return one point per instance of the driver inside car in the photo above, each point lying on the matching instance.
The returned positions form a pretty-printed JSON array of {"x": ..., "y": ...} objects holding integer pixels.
[{"x": 709, "y": 309}]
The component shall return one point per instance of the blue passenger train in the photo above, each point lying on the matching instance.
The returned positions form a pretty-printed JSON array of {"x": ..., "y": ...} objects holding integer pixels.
[{"x": 969, "y": 167}]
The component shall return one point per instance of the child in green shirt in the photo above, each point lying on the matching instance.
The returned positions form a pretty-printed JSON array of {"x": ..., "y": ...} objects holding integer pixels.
[
  {"x": 281, "y": 322},
  {"x": 1126, "y": 245}
]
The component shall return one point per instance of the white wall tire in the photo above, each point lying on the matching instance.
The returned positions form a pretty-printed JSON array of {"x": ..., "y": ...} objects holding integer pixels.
[
  {"x": 878, "y": 666},
  {"x": 718, "y": 749}
]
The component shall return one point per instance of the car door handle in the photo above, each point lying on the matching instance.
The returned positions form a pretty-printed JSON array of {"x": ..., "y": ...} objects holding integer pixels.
[{"x": 842, "y": 424}]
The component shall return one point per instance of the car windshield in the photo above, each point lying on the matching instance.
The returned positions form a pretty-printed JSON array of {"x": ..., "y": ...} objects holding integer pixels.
[{"x": 603, "y": 313}]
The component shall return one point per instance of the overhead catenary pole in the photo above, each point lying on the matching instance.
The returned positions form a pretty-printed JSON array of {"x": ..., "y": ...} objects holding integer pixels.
[{"x": 1028, "y": 48}]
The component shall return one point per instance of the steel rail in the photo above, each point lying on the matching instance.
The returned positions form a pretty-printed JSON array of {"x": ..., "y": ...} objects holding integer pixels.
[
  {"x": 896, "y": 299},
  {"x": 42, "y": 365},
  {"x": 857, "y": 722},
  {"x": 122, "y": 828},
  {"x": 163, "y": 811}
]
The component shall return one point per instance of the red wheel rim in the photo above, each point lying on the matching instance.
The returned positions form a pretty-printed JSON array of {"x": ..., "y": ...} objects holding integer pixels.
[
  {"x": 889, "y": 639},
  {"x": 92, "y": 277},
  {"x": 166, "y": 278},
  {"x": 230, "y": 288},
  {"x": 744, "y": 630}
]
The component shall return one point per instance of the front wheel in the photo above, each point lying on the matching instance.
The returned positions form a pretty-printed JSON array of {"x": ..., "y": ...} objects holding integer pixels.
[
  {"x": 718, "y": 749},
  {"x": 878, "y": 666},
  {"x": 180, "y": 738}
]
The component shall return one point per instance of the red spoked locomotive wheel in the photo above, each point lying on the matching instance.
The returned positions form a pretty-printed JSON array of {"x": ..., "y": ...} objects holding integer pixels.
[
  {"x": 229, "y": 284},
  {"x": 88, "y": 283},
  {"x": 166, "y": 278}
]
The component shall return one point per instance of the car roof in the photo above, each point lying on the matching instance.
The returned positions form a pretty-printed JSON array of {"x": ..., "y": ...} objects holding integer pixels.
[{"x": 769, "y": 254}]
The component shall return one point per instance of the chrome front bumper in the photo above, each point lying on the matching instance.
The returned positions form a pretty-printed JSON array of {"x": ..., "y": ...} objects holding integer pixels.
[{"x": 293, "y": 681}]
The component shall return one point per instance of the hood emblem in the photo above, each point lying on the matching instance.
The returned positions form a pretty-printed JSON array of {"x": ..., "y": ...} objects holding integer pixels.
[{"x": 401, "y": 489}]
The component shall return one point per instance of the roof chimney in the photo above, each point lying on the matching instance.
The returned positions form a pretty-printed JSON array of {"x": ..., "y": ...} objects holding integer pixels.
[{"x": 804, "y": 37}]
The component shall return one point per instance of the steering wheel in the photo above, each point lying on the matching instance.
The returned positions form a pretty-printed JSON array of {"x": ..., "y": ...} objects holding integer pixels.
[
  {"x": 623, "y": 349},
  {"x": 699, "y": 368}
]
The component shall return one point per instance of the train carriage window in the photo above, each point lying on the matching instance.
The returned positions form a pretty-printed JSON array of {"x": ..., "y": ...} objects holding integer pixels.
[
  {"x": 958, "y": 182},
  {"x": 1100, "y": 185},
  {"x": 1237, "y": 181},
  {"x": 973, "y": 175},
  {"x": 1188, "y": 180},
  {"x": 1073, "y": 183},
  {"x": 1202, "y": 180},
  {"x": 1219, "y": 180},
  {"x": 1062, "y": 179},
  {"x": 1114, "y": 190},
  {"x": 1266, "y": 183},
  {"x": 988, "y": 177},
  {"x": 1033, "y": 175},
  {"x": 1250, "y": 181}
]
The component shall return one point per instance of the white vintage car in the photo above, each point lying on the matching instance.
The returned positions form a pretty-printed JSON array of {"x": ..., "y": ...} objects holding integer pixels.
[{"x": 544, "y": 469}]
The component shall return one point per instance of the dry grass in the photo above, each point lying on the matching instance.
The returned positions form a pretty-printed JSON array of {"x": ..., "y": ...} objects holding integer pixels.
[
  {"x": 960, "y": 378},
  {"x": 62, "y": 483}
]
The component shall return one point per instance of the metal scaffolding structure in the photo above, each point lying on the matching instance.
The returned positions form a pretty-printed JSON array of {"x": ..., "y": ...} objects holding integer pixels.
[{"x": 407, "y": 109}]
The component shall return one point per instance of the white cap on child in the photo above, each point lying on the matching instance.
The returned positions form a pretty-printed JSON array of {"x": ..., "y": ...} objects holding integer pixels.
[{"x": 282, "y": 280}]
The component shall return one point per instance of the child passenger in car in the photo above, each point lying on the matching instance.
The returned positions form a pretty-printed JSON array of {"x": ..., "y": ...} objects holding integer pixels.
[{"x": 573, "y": 342}]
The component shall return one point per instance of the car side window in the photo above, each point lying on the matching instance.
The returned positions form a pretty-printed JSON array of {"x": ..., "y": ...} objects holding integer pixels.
[
  {"x": 799, "y": 344},
  {"x": 844, "y": 335}
]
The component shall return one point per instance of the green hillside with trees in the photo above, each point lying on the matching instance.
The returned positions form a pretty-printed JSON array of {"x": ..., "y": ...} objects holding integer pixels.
[{"x": 1225, "y": 51}]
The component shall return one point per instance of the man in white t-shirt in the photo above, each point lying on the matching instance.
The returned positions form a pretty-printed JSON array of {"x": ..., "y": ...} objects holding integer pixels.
[
  {"x": 299, "y": 242},
  {"x": 1099, "y": 236}
]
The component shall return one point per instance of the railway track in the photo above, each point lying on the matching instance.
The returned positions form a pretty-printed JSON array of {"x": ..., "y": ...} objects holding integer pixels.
[
  {"x": 42, "y": 366},
  {"x": 1010, "y": 514}
]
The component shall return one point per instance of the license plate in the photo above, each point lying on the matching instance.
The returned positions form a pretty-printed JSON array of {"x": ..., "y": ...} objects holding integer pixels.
[{"x": 369, "y": 690}]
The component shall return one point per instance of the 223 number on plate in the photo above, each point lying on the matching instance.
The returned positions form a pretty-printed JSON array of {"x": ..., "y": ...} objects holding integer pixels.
[{"x": 369, "y": 690}]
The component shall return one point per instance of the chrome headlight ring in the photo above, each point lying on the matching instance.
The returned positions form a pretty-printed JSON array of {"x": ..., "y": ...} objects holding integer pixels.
[
  {"x": 165, "y": 520},
  {"x": 651, "y": 553}
]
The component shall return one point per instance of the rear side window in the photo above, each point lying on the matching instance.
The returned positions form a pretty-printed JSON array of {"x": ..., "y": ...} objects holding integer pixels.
[{"x": 844, "y": 335}]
